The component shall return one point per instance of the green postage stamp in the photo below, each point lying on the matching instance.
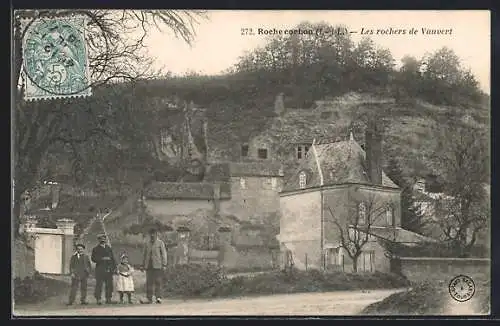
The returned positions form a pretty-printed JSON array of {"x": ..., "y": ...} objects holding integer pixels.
[{"x": 55, "y": 60}]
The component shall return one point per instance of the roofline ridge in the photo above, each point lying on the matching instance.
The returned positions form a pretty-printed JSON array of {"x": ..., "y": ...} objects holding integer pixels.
[{"x": 316, "y": 158}]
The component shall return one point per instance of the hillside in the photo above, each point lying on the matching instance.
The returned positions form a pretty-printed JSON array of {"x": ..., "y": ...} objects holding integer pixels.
[{"x": 409, "y": 134}]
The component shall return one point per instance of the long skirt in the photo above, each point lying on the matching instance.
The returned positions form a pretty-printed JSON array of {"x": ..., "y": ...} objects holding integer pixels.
[{"x": 124, "y": 283}]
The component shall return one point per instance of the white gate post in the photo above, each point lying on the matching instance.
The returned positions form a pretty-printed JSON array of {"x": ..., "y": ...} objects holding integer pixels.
[{"x": 67, "y": 227}]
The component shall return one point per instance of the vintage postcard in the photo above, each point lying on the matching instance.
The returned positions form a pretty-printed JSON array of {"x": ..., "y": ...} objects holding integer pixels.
[{"x": 256, "y": 163}]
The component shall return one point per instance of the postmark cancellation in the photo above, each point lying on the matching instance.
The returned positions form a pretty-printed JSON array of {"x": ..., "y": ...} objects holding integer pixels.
[
  {"x": 462, "y": 288},
  {"x": 55, "y": 59}
]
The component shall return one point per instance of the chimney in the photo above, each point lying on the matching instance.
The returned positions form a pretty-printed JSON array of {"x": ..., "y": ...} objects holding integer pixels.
[
  {"x": 373, "y": 148},
  {"x": 279, "y": 105}
]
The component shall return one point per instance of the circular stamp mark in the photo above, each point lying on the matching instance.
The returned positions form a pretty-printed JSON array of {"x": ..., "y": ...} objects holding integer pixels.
[
  {"x": 462, "y": 288},
  {"x": 54, "y": 55}
]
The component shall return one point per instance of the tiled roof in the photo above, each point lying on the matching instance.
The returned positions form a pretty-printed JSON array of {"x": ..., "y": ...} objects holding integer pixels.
[
  {"x": 263, "y": 169},
  {"x": 399, "y": 235},
  {"x": 340, "y": 162},
  {"x": 222, "y": 171},
  {"x": 186, "y": 190},
  {"x": 81, "y": 205}
]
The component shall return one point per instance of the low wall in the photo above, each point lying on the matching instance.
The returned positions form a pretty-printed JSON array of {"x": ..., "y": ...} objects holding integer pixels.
[
  {"x": 23, "y": 260},
  {"x": 443, "y": 269},
  {"x": 234, "y": 258},
  {"x": 203, "y": 256},
  {"x": 248, "y": 258}
]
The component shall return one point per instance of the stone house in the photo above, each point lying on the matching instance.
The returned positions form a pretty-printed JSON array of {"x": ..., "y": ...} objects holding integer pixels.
[
  {"x": 337, "y": 190},
  {"x": 242, "y": 196}
]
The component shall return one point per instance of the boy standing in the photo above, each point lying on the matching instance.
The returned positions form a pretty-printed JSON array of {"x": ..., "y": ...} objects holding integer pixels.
[{"x": 80, "y": 269}]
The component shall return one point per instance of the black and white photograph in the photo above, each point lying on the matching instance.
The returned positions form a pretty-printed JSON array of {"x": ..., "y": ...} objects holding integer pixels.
[{"x": 250, "y": 162}]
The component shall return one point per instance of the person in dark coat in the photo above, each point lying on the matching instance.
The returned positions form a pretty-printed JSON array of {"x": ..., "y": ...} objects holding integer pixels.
[
  {"x": 80, "y": 268},
  {"x": 105, "y": 268}
]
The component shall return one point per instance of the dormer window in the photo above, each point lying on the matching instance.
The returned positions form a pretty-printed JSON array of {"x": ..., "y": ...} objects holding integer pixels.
[
  {"x": 302, "y": 151},
  {"x": 361, "y": 213},
  {"x": 302, "y": 180}
]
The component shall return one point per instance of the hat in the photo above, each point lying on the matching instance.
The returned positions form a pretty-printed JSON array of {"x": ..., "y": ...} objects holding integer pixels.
[
  {"x": 102, "y": 236},
  {"x": 153, "y": 231},
  {"x": 123, "y": 255},
  {"x": 80, "y": 245}
]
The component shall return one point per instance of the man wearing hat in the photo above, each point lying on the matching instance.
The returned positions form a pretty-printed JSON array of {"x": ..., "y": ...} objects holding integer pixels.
[
  {"x": 105, "y": 266},
  {"x": 80, "y": 268},
  {"x": 155, "y": 262}
]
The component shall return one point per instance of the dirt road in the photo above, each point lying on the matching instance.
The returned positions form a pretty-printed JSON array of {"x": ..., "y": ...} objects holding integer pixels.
[{"x": 329, "y": 303}]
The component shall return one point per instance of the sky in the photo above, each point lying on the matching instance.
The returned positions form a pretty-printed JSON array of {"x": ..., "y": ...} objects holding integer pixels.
[{"x": 219, "y": 40}]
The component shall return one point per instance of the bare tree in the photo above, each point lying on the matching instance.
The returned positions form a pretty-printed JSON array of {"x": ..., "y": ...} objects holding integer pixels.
[
  {"x": 462, "y": 158},
  {"x": 461, "y": 227},
  {"x": 116, "y": 48},
  {"x": 355, "y": 229}
]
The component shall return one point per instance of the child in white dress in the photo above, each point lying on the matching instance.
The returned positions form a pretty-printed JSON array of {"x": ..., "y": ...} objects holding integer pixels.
[{"x": 125, "y": 281}]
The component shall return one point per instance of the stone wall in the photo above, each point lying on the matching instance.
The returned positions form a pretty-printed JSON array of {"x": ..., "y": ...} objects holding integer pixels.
[
  {"x": 300, "y": 228},
  {"x": 300, "y": 216},
  {"x": 253, "y": 199},
  {"x": 248, "y": 258},
  {"x": 444, "y": 269}
]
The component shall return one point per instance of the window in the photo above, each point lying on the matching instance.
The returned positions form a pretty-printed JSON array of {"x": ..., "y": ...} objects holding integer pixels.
[
  {"x": 243, "y": 183},
  {"x": 209, "y": 242},
  {"x": 244, "y": 150},
  {"x": 389, "y": 215},
  {"x": 354, "y": 233},
  {"x": 302, "y": 151},
  {"x": 302, "y": 180},
  {"x": 333, "y": 256},
  {"x": 361, "y": 213},
  {"x": 262, "y": 153}
]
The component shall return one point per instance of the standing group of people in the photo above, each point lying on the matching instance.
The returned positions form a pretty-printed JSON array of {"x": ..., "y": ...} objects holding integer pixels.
[{"x": 106, "y": 269}]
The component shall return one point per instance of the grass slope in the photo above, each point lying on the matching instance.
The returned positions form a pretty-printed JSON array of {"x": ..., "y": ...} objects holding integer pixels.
[{"x": 430, "y": 298}]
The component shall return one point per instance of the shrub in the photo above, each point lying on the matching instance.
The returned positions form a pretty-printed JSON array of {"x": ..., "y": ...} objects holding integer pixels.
[
  {"x": 294, "y": 281},
  {"x": 191, "y": 279},
  {"x": 37, "y": 288},
  {"x": 250, "y": 269}
]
